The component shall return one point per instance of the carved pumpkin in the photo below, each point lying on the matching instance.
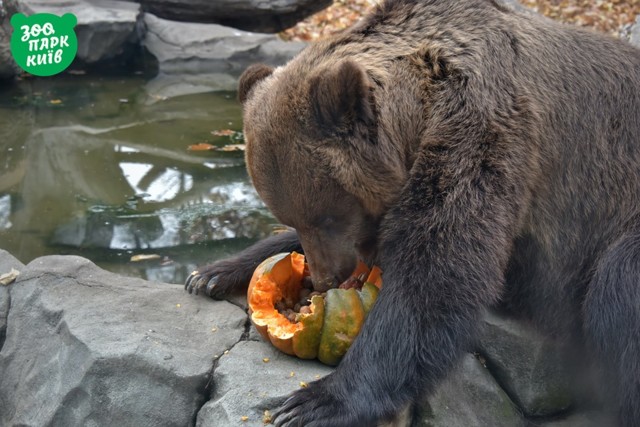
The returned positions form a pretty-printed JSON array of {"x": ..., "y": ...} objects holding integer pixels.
[{"x": 330, "y": 324}]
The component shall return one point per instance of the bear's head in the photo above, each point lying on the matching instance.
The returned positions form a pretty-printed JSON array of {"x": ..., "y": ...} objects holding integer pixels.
[{"x": 318, "y": 159}]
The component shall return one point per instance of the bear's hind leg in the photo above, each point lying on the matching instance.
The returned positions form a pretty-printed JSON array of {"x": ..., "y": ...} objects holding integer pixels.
[{"x": 612, "y": 323}]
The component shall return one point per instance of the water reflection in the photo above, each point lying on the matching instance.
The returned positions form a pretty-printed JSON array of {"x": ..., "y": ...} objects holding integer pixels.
[
  {"x": 159, "y": 184},
  {"x": 5, "y": 210},
  {"x": 91, "y": 175}
]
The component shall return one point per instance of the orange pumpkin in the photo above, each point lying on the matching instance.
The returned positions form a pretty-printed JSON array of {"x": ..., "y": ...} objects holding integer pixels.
[{"x": 331, "y": 325}]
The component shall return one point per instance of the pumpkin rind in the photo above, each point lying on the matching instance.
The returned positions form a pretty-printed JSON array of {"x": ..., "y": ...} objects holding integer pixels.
[
  {"x": 307, "y": 340},
  {"x": 327, "y": 331},
  {"x": 341, "y": 326},
  {"x": 368, "y": 296},
  {"x": 276, "y": 277}
]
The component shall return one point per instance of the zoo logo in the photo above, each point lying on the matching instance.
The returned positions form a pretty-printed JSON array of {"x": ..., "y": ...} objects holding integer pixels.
[{"x": 44, "y": 44}]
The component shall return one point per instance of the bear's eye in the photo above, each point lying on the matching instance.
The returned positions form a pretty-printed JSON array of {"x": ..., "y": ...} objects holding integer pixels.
[
  {"x": 334, "y": 225},
  {"x": 326, "y": 223}
]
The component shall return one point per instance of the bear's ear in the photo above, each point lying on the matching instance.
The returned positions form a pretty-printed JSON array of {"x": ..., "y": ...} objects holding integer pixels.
[
  {"x": 342, "y": 101},
  {"x": 250, "y": 77}
]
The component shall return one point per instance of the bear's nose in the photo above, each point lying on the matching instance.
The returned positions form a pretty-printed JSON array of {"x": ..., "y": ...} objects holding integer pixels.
[{"x": 324, "y": 284}]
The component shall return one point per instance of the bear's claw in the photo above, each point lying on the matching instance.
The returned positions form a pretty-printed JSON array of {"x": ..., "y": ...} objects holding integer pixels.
[
  {"x": 317, "y": 405},
  {"x": 198, "y": 282}
]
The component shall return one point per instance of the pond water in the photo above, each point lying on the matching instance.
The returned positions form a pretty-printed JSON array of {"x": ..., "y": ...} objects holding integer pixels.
[{"x": 100, "y": 167}]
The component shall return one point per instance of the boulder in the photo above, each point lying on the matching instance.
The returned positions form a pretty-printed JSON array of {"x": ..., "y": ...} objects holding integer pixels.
[
  {"x": 114, "y": 29},
  {"x": 634, "y": 33},
  {"x": 183, "y": 48},
  {"x": 584, "y": 419},
  {"x": 530, "y": 368},
  {"x": 105, "y": 29},
  {"x": 7, "y": 263},
  {"x": 469, "y": 397},
  {"x": 517, "y": 6},
  {"x": 4, "y": 308},
  {"x": 250, "y": 15},
  {"x": 253, "y": 378},
  {"x": 88, "y": 347},
  {"x": 8, "y": 67}
]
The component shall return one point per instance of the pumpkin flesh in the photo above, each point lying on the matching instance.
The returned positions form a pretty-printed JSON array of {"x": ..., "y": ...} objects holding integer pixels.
[{"x": 332, "y": 322}]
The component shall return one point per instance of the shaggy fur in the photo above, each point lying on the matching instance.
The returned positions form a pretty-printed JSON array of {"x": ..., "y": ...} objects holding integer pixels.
[{"x": 478, "y": 156}]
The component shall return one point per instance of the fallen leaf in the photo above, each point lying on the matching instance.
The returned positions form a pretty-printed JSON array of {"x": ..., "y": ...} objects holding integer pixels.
[
  {"x": 10, "y": 277},
  {"x": 144, "y": 257},
  {"x": 612, "y": 16},
  {"x": 232, "y": 147},
  {"x": 203, "y": 146},
  {"x": 223, "y": 132},
  {"x": 55, "y": 102}
]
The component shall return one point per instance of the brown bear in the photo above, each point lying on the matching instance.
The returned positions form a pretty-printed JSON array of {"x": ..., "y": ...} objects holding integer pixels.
[{"x": 479, "y": 156}]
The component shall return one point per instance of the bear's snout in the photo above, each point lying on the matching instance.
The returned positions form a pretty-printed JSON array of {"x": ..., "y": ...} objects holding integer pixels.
[{"x": 329, "y": 268}]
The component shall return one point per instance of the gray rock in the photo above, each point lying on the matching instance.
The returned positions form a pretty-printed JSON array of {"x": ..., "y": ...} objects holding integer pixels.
[
  {"x": 165, "y": 86},
  {"x": 246, "y": 385},
  {"x": 469, "y": 397},
  {"x": 516, "y": 5},
  {"x": 251, "y": 15},
  {"x": 7, "y": 262},
  {"x": 81, "y": 344},
  {"x": 105, "y": 29},
  {"x": 530, "y": 368},
  {"x": 634, "y": 34},
  {"x": 277, "y": 51},
  {"x": 210, "y": 48},
  {"x": 112, "y": 28},
  {"x": 5, "y": 303},
  {"x": 88, "y": 347},
  {"x": 8, "y": 67},
  {"x": 584, "y": 419}
]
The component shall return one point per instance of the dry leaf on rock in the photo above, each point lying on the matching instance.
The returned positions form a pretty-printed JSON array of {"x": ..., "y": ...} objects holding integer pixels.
[
  {"x": 10, "y": 277},
  {"x": 604, "y": 16}
]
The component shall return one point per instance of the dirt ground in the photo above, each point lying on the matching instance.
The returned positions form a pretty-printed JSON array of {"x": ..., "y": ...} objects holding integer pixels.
[{"x": 606, "y": 16}]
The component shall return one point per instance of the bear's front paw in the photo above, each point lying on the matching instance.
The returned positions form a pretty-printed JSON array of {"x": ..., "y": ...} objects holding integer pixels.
[
  {"x": 317, "y": 405},
  {"x": 217, "y": 280},
  {"x": 200, "y": 281}
]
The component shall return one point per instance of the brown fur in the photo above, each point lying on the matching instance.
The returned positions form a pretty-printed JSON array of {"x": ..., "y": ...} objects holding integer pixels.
[{"x": 478, "y": 155}]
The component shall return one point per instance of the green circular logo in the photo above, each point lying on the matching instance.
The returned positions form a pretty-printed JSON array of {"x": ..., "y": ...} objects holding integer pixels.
[{"x": 44, "y": 44}]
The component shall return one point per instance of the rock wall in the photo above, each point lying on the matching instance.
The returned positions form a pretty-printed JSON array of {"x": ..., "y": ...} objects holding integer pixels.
[
  {"x": 634, "y": 33},
  {"x": 82, "y": 346},
  {"x": 250, "y": 15},
  {"x": 87, "y": 347},
  {"x": 113, "y": 30}
]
